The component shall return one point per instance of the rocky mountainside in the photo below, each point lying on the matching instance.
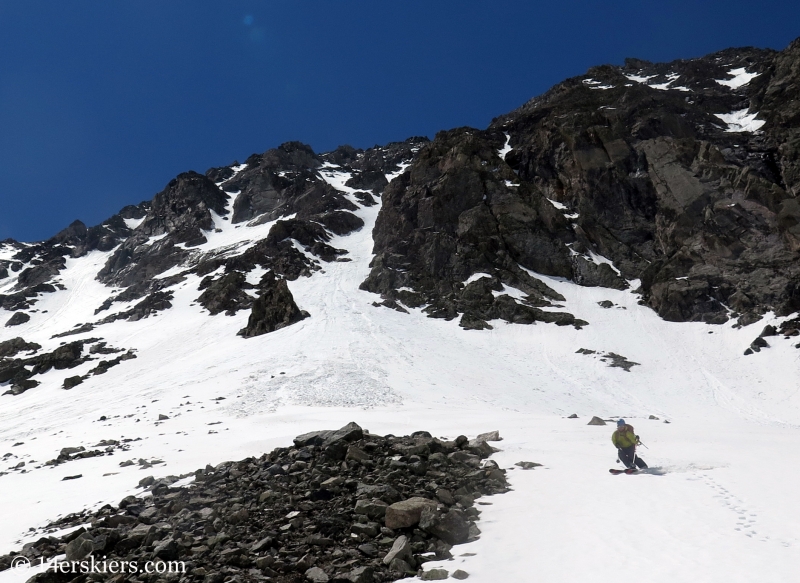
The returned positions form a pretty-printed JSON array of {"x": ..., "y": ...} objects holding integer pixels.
[
  {"x": 244, "y": 230},
  {"x": 679, "y": 180}
]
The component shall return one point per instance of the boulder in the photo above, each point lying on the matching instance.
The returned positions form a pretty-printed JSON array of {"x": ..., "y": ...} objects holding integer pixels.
[
  {"x": 13, "y": 346},
  {"x": 273, "y": 309},
  {"x": 401, "y": 566},
  {"x": 17, "y": 319},
  {"x": 452, "y": 527},
  {"x": 166, "y": 550},
  {"x": 407, "y": 512},
  {"x": 80, "y": 547},
  {"x": 360, "y": 575},
  {"x": 350, "y": 432},
  {"x": 434, "y": 575},
  {"x": 401, "y": 549},
  {"x": 317, "y": 575},
  {"x": 371, "y": 508},
  {"x": 596, "y": 421}
]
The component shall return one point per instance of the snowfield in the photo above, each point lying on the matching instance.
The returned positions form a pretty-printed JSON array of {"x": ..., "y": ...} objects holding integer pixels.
[{"x": 719, "y": 504}]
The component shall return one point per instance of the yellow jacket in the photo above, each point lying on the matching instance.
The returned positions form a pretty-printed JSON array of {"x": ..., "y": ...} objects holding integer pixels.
[{"x": 624, "y": 437}]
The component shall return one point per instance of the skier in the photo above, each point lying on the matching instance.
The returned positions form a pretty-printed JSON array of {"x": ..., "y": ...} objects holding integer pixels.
[{"x": 626, "y": 441}]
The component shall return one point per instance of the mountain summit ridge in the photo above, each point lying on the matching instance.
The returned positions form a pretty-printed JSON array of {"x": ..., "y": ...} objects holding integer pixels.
[{"x": 677, "y": 178}]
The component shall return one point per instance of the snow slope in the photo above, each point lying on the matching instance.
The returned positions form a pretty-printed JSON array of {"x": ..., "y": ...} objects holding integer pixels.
[{"x": 719, "y": 507}]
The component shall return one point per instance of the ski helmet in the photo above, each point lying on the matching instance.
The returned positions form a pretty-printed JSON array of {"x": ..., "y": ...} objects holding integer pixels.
[{"x": 620, "y": 423}]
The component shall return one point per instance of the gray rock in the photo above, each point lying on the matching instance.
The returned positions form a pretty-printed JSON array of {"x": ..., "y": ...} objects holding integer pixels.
[
  {"x": 371, "y": 529},
  {"x": 383, "y": 491},
  {"x": 145, "y": 482},
  {"x": 316, "y": 575},
  {"x": 481, "y": 448},
  {"x": 434, "y": 575},
  {"x": 445, "y": 496},
  {"x": 9, "y": 348},
  {"x": 166, "y": 550},
  {"x": 459, "y": 574},
  {"x": 80, "y": 547},
  {"x": 489, "y": 436},
  {"x": 596, "y": 421},
  {"x": 262, "y": 544},
  {"x": 401, "y": 549},
  {"x": 368, "y": 549},
  {"x": 467, "y": 458},
  {"x": 371, "y": 508},
  {"x": 768, "y": 330},
  {"x": 527, "y": 465},
  {"x": 17, "y": 319},
  {"x": 148, "y": 515},
  {"x": 361, "y": 575},
  {"x": 274, "y": 309},
  {"x": 264, "y": 562},
  {"x": 354, "y": 453},
  {"x": 400, "y": 566},
  {"x": 350, "y": 432},
  {"x": 407, "y": 512},
  {"x": 331, "y": 483},
  {"x": 452, "y": 527}
]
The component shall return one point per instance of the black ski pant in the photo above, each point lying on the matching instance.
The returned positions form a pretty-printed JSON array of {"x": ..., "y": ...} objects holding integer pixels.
[{"x": 627, "y": 455}]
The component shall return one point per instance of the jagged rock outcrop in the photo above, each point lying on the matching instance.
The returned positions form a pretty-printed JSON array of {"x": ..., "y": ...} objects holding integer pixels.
[
  {"x": 683, "y": 174},
  {"x": 178, "y": 215},
  {"x": 459, "y": 211},
  {"x": 17, "y": 319},
  {"x": 20, "y": 372},
  {"x": 225, "y": 294},
  {"x": 46, "y": 259},
  {"x": 273, "y": 309},
  {"x": 155, "y": 302},
  {"x": 16, "y": 345}
]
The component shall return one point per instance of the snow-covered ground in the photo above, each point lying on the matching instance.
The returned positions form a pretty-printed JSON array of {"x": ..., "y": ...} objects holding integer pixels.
[{"x": 719, "y": 507}]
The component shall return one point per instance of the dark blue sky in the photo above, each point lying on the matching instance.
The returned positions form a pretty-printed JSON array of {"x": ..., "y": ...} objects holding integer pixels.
[{"x": 102, "y": 103}]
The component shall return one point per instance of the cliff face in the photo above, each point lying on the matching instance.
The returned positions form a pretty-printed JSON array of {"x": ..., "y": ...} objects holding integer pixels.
[{"x": 684, "y": 175}]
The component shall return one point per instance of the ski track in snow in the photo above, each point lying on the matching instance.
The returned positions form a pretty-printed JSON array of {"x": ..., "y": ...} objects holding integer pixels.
[{"x": 717, "y": 506}]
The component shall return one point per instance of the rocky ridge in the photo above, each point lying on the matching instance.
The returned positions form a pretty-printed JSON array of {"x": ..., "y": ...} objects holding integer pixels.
[
  {"x": 341, "y": 506},
  {"x": 678, "y": 178},
  {"x": 283, "y": 202}
]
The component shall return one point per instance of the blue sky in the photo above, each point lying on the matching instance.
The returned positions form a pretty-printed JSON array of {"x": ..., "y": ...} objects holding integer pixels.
[{"x": 102, "y": 103}]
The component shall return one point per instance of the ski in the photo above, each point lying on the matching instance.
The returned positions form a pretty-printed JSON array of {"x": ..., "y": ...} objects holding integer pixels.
[{"x": 617, "y": 472}]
